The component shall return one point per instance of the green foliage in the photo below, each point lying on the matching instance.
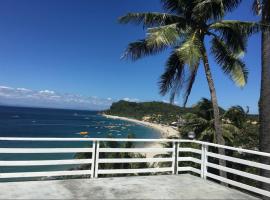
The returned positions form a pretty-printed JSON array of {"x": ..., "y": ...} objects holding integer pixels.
[
  {"x": 158, "y": 111},
  {"x": 183, "y": 28},
  {"x": 230, "y": 62},
  {"x": 238, "y": 127},
  {"x": 171, "y": 79}
]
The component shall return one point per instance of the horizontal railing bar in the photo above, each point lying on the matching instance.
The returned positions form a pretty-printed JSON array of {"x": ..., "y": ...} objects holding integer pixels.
[
  {"x": 136, "y": 140},
  {"x": 132, "y": 171},
  {"x": 241, "y": 150},
  {"x": 134, "y": 160},
  {"x": 134, "y": 150},
  {"x": 238, "y": 160},
  {"x": 189, "y": 159},
  {"x": 238, "y": 184},
  {"x": 191, "y": 169},
  {"x": 240, "y": 173},
  {"x": 190, "y": 150},
  {"x": 45, "y": 150},
  {"x": 45, "y": 162},
  {"x": 46, "y": 174}
]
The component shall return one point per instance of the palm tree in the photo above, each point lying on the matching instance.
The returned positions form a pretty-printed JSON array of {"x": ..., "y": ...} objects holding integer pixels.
[
  {"x": 202, "y": 123},
  {"x": 237, "y": 128},
  {"x": 237, "y": 116},
  {"x": 263, "y": 7},
  {"x": 185, "y": 27}
]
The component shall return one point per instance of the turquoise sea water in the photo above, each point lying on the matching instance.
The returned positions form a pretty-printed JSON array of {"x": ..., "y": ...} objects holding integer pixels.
[{"x": 37, "y": 122}]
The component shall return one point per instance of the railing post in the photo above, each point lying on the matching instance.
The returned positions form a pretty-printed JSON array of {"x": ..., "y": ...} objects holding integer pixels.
[
  {"x": 96, "y": 160},
  {"x": 204, "y": 161},
  {"x": 93, "y": 159},
  {"x": 175, "y": 158}
]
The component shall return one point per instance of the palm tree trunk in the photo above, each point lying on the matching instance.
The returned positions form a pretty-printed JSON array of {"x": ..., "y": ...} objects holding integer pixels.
[
  {"x": 264, "y": 104},
  {"x": 218, "y": 128}
]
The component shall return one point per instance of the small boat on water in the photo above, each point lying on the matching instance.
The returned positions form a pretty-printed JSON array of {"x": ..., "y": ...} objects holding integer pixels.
[{"x": 84, "y": 133}]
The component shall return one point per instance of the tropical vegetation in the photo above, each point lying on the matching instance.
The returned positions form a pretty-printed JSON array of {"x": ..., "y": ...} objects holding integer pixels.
[
  {"x": 185, "y": 27},
  {"x": 158, "y": 112},
  {"x": 239, "y": 128}
]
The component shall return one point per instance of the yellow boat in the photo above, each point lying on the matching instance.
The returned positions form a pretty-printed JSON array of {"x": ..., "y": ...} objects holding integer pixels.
[{"x": 84, "y": 133}]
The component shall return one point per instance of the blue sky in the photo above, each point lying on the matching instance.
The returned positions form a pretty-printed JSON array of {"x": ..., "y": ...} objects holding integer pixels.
[{"x": 71, "y": 48}]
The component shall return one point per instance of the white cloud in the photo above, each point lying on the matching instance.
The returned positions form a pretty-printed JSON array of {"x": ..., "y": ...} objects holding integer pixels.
[
  {"x": 5, "y": 88},
  {"x": 49, "y": 98},
  {"x": 46, "y": 92},
  {"x": 24, "y": 90},
  {"x": 165, "y": 101},
  {"x": 131, "y": 99}
]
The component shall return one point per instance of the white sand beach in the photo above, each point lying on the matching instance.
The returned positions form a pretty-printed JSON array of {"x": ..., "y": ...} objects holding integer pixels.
[{"x": 165, "y": 131}]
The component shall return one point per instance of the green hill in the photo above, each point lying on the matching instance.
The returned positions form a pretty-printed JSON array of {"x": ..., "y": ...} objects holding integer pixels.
[
  {"x": 155, "y": 111},
  {"x": 158, "y": 112}
]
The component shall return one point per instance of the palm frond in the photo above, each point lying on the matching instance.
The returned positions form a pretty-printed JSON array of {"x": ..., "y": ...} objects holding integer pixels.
[
  {"x": 176, "y": 6},
  {"x": 190, "y": 50},
  {"x": 198, "y": 123},
  {"x": 193, "y": 123},
  {"x": 229, "y": 130},
  {"x": 190, "y": 81},
  {"x": 172, "y": 79},
  {"x": 208, "y": 133},
  {"x": 204, "y": 109},
  {"x": 140, "y": 49},
  {"x": 229, "y": 62},
  {"x": 236, "y": 115},
  {"x": 235, "y": 110},
  {"x": 235, "y": 33},
  {"x": 163, "y": 35},
  {"x": 214, "y": 9},
  {"x": 150, "y": 19},
  {"x": 246, "y": 28}
]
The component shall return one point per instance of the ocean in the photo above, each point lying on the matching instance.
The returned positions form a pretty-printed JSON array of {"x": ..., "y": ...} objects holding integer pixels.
[{"x": 41, "y": 122}]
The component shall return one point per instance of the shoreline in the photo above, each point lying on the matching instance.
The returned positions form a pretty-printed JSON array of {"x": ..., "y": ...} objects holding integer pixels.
[{"x": 164, "y": 130}]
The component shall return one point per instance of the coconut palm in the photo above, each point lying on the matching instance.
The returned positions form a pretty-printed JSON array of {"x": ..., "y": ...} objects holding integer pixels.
[
  {"x": 202, "y": 123},
  {"x": 263, "y": 7},
  {"x": 186, "y": 27},
  {"x": 237, "y": 116}
]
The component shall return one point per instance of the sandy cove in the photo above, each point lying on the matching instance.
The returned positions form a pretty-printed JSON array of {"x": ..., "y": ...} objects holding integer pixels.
[{"x": 165, "y": 131}]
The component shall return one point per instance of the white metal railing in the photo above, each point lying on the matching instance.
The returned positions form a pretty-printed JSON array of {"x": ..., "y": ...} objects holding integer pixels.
[{"x": 172, "y": 157}]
